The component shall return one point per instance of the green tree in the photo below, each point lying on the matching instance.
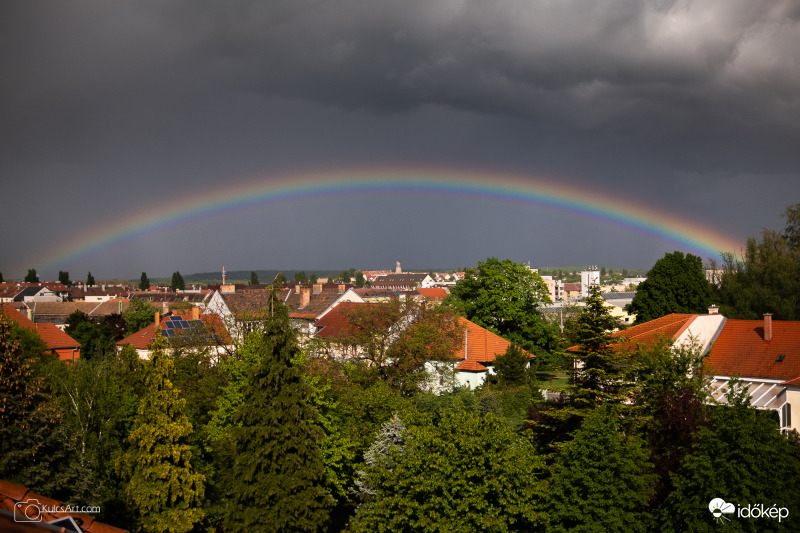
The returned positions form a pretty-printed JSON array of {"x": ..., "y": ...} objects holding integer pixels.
[
  {"x": 360, "y": 282},
  {"x": 164, "y": 489},
  {"x": 512, "y": 367},
  {"x": 300, "y": 276},
  {"x": 312, "y": 278},
  {"x": 599, "y": 480},
  {"x": 138, "y": 315},
  {"x": 767, "y": 278},
  {"x": 253, "y": 278},
  {"x": 1, "y": 277},
  {"x": 144, "y": 282},
  {"x": 277, "y": 479},
  {"x": 740, "y": 457},
  {"x": 503, "y": 296},
  {"x": 32, "y": 276},
  {"x": 463, "y": 473},
  {"x": 177, "y": 283},
  {"x": 63, "y": 278},
  {"x": 90, "y": 280},
  {"x": 676, "y": 284},
  {"x": 603, "y": 372}
]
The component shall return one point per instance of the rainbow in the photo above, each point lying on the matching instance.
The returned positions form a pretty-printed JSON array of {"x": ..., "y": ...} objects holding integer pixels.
[{"x": 505, "y": 187}]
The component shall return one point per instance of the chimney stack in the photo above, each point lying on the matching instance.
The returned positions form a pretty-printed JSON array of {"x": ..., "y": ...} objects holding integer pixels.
[
  {"x": 195, "y": 313},
  {"x": 397, "y": 269},
  {"x": 317, "y": 288},
  {"x": 767, "y": 327},
  {"x": 713, "y": 310},
  {"x": 341, "y": 288},
  {"x": 158, "y": 318},
  {"x": 305, "y": 296}
]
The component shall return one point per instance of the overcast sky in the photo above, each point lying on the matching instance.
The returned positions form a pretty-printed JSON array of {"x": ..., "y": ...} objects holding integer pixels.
[{"x": 109, "y": 109}]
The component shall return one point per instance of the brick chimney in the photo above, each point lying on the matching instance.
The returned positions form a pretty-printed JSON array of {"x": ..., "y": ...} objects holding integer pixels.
[
  {"x": 317, "y": 288},
  {"x": 195, "y": 313},
  {"x": 767, "y": 327},
  {"x": 341, "y": 288},
  {"x": 713, "y": 310},
  {"x": 305, "y": 296},
  {"x": 158, "y": 318}
]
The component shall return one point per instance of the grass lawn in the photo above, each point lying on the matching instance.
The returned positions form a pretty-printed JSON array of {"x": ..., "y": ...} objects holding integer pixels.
[{"x": 553, "y": 379}]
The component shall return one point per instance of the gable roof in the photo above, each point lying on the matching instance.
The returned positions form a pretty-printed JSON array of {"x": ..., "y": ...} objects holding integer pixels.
[
  {"x": 249, "y": 303},
  {"x": 335, "y": 324},
  {"x": 433, "y": 293},
  {"x": 317, "y": 303},
  {"x": 740, "y": 349},
  {"x": 667, "y": 327},
  {"x": 481, "y": 347},
  {"x": 54, "y": 338}
]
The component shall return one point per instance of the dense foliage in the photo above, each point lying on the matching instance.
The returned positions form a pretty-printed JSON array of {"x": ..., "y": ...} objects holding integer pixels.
[
  {"x": 676, "y": 284},
  {"x": 504, "y": 296}
]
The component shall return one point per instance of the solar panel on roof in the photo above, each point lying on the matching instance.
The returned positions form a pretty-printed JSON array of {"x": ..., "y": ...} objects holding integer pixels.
[
  {"x": 170, "y": 324},
  {"x": 184, "y": 324}
]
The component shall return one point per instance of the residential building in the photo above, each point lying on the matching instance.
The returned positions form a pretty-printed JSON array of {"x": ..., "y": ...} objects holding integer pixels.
[{"x": 57, "y": 342}]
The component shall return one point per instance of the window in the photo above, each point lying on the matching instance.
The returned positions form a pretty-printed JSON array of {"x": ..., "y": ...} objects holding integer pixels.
[{"x": 786, "y": 415}]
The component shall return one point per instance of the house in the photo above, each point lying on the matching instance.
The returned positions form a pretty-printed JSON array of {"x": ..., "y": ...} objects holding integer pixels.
[
  {"x": 764, "y": 354},
  {"x": 57, "y": 342},
  {"x": 307, "y": 303},
  {"x": 618, "y": 301},
  {"x": 470, "y": 366},
  {"x": 402, "y": 282},
  {"x": 571, "y": 291},
  {"x": 475, "y": 358},
  {"x": 432, "y": 295},
  {"x": 18, "y": 503},
  {"x": 98, "y": 293},
  {"x": 58, "y": 312},
  {"x": 196, "y": 331}
]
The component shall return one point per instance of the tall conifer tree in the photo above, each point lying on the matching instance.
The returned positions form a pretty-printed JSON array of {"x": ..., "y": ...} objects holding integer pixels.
[
  {"x": 164, "y": 489},
  {"x": 277, "y": 480}
]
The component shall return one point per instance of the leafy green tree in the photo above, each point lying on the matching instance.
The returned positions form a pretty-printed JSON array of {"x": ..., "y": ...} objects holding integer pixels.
[
  {"x": 253, "y": 278},
  {"x": 300, "y": 276},
  {"x": 144, "y": 282},
  {"x": 312, "y": 278},
  {"x": 177, "y": 283},
  {"x": 360, "y": 282},
  {"x": 503, "y": 296},
  {"x": 676, "y": 284},
  {"x": 138, "y": 315},
  {"x": 90, "y": 280},
  {"x": 767, "y": 278},
  {"x": 163, "y": 488},
  {"x": 63, "y": 278},
  {"x": 277, "y": 479},
  {"x": 740, "y": 457},
  {"x": 599, "y": 481},
  {"x": 463, "y": 473},
  {"x": 32, "y": 276}
]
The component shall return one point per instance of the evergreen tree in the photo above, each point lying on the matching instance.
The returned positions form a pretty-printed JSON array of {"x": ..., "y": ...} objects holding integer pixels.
[
  {"x": 312, "y": 278},
  {"x": 277, "y": 480},
  {"x": 177, "y": 282},
  {"x": 675, "y": 284},
  {"x": 1, "y": 278},
  {"x": 300, "y": 276},
  {"x": 32, "y": 276},
  {"x": 602, "y": 374},
  {"x": 599, "y": 480},
  {"x": 360, "y": 281},
  {"x": 164, "y": 489},
  {"x": 63, "y": 278},
  {"x": 253, "y": 278},
  {"x": 512, "y": 366},
  {"x": 144, "y": 282},
  {"x": 89, "y": 280}
]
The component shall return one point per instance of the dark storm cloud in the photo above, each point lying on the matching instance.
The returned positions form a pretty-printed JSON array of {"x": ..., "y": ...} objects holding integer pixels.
[{"x": 106, "y": 106}]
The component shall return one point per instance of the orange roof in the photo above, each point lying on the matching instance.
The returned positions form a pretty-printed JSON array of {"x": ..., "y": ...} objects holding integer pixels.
[
  {"x": 667, "y": 327},
  {"x": 335, "y": 324},
  {"x": 741, "y": 349},
  {"x": 433, "y": 293},
  {"x": 482, "y": 346},
  {"x": 53, "y": 337}
]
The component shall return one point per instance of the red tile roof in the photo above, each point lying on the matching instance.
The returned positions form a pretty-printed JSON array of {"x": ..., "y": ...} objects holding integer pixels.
[
  {"x": 667, "y": 327},
  {"x": 54, "y": 338},
  {"x": 433, "y": 293},
  {"x": 741, "y": 349},
  {"x": 335, "y": 324},
  {"x": 482, "y": 346}
]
